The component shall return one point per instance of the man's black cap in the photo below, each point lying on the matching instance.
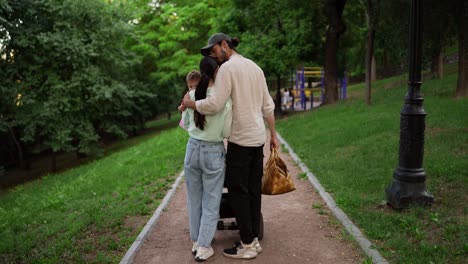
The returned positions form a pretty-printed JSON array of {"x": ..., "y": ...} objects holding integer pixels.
[{"x": 213, "y": 40}]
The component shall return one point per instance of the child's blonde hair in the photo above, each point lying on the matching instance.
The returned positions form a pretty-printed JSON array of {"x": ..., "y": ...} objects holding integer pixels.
[{"x": 193, "y": 75}]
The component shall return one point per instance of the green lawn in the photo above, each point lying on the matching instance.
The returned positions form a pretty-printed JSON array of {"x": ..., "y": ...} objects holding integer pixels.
[
  {"x": 352, "y": 148},
  {"x": 92, "y": 213}
]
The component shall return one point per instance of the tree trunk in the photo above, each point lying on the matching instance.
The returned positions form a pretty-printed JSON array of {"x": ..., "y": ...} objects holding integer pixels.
[
  {"x": 372, "y": 12},
  {"x": 278, "y": 95},
  {"x": 336, "y": 27},
  {"x": 373, "y": 68},
  {"x": 440, "y": 69},
  {"x": 331, "y": 87},
  {"x": 437, "y": 65},
  {"x": 19, "y": 149},
  {"x": 462, "y": 83},
  {"x": 369, "y": 56},
  {"x": 386, "y": 66}
]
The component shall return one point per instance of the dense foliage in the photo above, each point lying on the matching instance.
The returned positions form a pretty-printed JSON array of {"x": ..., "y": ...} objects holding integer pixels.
[
  {"x": 75, "y": 71},
  {"x": 67, "y": 76}
]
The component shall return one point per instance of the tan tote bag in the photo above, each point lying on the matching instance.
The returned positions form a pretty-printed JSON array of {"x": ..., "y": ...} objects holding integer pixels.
[{"x": 276, "y": 178}]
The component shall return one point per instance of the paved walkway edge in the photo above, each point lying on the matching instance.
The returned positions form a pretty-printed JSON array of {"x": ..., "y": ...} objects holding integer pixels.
[
  {"x": 131, "y": 253},
  {"x": 363, "y": 242}
]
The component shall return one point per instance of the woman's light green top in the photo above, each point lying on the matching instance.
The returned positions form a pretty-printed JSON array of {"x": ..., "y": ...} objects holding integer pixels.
[{"x": 217, "y": 127}]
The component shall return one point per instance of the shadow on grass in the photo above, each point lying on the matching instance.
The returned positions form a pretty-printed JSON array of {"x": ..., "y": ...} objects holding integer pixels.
[{"x": 41, "y": 164}]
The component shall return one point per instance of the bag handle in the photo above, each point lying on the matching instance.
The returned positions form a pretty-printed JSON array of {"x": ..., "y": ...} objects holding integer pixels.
[
  {"x": 273, "y": 157},
  {"x": 274, "y": 153}
]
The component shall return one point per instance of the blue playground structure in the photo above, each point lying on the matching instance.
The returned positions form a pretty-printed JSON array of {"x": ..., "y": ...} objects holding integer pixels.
[{"x": 304, "y": 93}]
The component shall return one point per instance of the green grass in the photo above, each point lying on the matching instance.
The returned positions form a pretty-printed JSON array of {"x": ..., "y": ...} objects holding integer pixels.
[
  {"x": 353, "y": 149},
  {"x": 302, "y": 176},
  {"x": 92, "y": 213}
]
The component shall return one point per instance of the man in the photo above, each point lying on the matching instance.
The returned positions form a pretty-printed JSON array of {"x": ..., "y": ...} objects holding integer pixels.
[{"x": 243, "y": 81}]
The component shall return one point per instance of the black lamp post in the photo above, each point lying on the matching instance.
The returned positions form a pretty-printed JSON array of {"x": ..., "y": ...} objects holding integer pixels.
[{"x": 409, "y": 179}]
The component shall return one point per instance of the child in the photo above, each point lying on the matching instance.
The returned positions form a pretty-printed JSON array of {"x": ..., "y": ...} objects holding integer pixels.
[
  {"x": 204, "y": 163},
  {"x": 191, "y": 80}
]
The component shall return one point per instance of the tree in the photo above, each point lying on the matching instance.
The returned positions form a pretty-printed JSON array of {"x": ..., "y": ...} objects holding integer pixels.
[
  {"x": 170, "y": 37},
  {"x": 276, "y": 35},
  {"x": 439, "y": 31},
  {"x": 266, "y": 40},
  {"x": 8, "y": 96},
  {"x": 351, "y": 57},
  {"x": 68, "y": 76},
  {"x": 336, "y": 27},
  {"x": 391, "y": 44},
  {"x": 460, "y": 11},
  {"x": 372, "y": 15}
]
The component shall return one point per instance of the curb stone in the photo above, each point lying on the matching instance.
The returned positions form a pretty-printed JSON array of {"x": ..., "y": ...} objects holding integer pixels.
[
  {"x": 353, "y": 230},
  {"x": 132, "y": 251}
]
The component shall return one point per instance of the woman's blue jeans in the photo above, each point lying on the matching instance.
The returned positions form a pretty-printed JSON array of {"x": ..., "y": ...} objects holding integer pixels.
[{"x": 204, "y": 176}]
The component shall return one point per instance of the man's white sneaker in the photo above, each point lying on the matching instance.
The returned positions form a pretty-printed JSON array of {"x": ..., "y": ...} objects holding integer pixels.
[
  {"x": 241, "y": 251},
  {"x": 194, "y": 248},
  {"x": 203, "y": 253},
  {"x": 257, "y": 246}
]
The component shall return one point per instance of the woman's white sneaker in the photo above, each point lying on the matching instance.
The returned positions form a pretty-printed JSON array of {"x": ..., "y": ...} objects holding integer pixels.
[
  {"x": 203, "y": 253},
  {"x": 194, "y": 248},
  {"x": 257, "y": 246}
]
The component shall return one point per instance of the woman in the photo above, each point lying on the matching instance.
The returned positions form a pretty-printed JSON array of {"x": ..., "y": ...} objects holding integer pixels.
[{"x": 204, "y": 163}]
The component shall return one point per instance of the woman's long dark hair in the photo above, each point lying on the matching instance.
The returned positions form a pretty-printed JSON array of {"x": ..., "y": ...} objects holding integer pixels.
[{"x": 208, "y": 66}]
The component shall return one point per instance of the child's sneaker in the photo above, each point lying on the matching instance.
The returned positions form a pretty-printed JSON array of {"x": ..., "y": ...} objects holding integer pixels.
[
  {"x": 257, "y": 246},
  {"x": 194, "y": 248},
  {"x": 203, "y": 253},
  {"x": 241, "y": 251}
]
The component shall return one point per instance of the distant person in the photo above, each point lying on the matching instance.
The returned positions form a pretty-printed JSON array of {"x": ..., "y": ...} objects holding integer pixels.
[
  {"x": 204, "y": 164},
  {"x": 285, "y": 98},
  {"x": 242, "y": 80},
  {"x": 191, "y": 80},
  {"x": 291, "y": 95}
]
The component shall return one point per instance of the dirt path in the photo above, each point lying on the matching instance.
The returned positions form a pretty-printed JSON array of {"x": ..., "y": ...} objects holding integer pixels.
[{"x": 294, "y": 231}]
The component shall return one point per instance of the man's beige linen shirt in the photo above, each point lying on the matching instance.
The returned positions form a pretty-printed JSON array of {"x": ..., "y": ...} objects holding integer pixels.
[{"x": 243, "y": 81}]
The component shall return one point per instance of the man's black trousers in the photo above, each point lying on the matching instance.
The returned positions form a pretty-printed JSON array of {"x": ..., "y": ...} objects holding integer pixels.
[{"x": 244, "y": 171}]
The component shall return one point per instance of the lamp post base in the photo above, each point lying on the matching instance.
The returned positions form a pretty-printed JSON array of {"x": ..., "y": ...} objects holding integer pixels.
[{"x": 400, "y": 195}]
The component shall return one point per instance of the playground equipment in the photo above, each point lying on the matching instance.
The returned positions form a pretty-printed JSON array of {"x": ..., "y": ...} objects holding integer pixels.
[{"x": 302, "y": 93}]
